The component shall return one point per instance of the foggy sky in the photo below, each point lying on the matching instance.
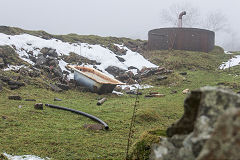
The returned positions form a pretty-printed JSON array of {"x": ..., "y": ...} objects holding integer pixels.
[{"x": 120, "y": 18}]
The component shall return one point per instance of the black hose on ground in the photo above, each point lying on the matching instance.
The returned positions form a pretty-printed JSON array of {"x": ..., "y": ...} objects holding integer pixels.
[{"x": 79, "y": 112}]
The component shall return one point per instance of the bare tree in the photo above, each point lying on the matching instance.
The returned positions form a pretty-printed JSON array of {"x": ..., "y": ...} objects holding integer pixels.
[
  {"x": 230, "y": 41},
  {"x": 215, "y": 21},
  {"x": 170, "y": 16}
]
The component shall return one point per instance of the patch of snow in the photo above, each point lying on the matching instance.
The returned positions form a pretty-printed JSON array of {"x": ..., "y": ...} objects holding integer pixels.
[
  {"x": 135, "y": 59},
  {"x": 71, "y": 76},
  {"x": 227, "y": 52},
  {"x": 231, "y": 62},
  {"x": 136, "y": 86},
  {"x": 117, "y": 93},
  {"x": 134, "y": 71},
  {"x": 25, "y": 43},
  {"x": 160, "y": 151},
  {"x": 15, "y": 68},
  {"x": 62, "y": 65},
  {"x": 24, "y": 157}
]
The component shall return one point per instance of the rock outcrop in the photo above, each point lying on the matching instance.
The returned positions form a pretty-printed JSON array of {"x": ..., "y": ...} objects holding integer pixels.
[
  {"x": 208, "y": 129},
  {"x": 224, "y": 142}
]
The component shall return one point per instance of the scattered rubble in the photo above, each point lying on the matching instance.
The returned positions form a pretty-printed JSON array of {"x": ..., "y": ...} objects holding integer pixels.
[
  {"x": 185, "y": 91},
  {"x": 160, "y": 78},
  {"x": 4, "y": 78},
  {"x": 115, "y": 71},
  {"x": 13, "y": 87},
  {"x": 42, "y": 59},
  {"x": 57, "y": 99},
  {"x": 93, "y": 126},
  {"x": 154, "y": 94},
  {"x": 62, "y": 86},
  {"x": 52, "y": 55},
  {"x": 119, "y": 51},
  {"x": 183, "y": 73},
  {"x": 120, "y": 59},
  {"x": 146, "y": 72},
  {"x": 50, "y": 61},
  {"x": 38, "y": 106},
  {"x": 55, "y": 88},
  {"x": 129, "y": 77},
  {"x": 118, "y": 89},
  {"x": 74, "y": 58},
  {"x": 134, "y": 92},
  {"x": 4, "y": 117},
  {"x": 173, "y": 92},
  {"x": 49, "y": 52},
  {"x": 30, "y": 99},
  {"x": 17, "y": 83},
  {"x": 101, "y": 101},
  {"x": 15, "y": 97}
]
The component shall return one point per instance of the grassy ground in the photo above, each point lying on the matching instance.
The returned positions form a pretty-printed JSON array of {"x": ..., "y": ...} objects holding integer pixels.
[{"x": 60, "y": 135}]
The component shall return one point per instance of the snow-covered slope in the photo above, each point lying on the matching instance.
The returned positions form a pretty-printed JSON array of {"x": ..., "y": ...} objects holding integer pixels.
[
  {"x": 24, "y": 157},
  {"x": 25, "y": 43},
  {"x": 234, "y": 61}
]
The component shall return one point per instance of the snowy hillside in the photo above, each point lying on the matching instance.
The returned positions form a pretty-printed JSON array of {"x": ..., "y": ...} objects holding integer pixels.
[
  {"x": 27, "y": 45},
  {"x": 233, "y": 61}
]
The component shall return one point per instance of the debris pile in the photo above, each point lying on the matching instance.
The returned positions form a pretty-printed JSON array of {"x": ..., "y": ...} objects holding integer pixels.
[
  {"x": 134, "y": 76},
  {"x": 33, "y": 56},
  {"x": 53, "y": 55},
  {"x": 12, "y": 84}
]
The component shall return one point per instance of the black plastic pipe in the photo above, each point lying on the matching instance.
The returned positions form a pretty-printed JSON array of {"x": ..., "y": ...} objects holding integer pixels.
[{"x": 80, "y": 112}]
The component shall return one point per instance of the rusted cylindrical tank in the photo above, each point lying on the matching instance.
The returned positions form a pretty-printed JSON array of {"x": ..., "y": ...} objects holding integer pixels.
[{"x": 191, "y": 39}]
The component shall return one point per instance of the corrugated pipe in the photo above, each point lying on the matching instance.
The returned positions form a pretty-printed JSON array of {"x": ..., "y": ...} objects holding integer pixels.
[{"x": 80, "y": 112}]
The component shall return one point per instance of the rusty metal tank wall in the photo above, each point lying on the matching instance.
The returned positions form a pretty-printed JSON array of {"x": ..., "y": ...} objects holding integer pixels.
[{"x": 191, "y": 39}]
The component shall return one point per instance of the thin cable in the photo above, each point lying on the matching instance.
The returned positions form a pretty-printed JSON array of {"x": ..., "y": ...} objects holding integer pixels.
[{"x": 130, "y": 135}]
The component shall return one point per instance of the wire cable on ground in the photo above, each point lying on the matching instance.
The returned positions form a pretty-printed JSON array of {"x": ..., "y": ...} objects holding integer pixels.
[{"x": 131, "y": 131}]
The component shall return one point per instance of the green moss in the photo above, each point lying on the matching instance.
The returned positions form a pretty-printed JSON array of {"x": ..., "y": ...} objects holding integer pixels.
[
  {"x": 188, "y": 60},
  {"x": 3, "y": 157},
  {"x": 142, "y": 148},
  {"x": 159, "y": 132},
  {"x": 10, "y": 57},
  {"x": 173, "y": 79},
  {"x": 147, "y": 115},
  {"x": 235, "y": 52}
]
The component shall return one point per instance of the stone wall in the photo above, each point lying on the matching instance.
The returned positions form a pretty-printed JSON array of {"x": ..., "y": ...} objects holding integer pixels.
[{"x": 208, "y": 129}]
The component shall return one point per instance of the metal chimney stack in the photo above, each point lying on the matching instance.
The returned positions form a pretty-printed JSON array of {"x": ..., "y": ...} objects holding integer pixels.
[{"x": 180, "y": 18}]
